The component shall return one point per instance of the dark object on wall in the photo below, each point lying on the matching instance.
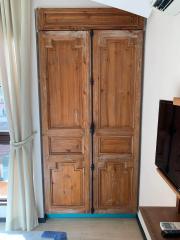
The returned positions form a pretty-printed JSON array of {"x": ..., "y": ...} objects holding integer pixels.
[
  {"x": 168, "y": 141},
  {"x": 162, "y": 4}
]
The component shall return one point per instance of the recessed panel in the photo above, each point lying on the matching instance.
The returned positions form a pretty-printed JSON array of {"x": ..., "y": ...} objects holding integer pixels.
[
  {"x": 65, "y": 67},
  {"x": 116, "y": 83},
  {"x": 58, "y": 145},
  {"x": 115, "y": 186},
  {"x": 116, "y": 145},
  {"x": 67, "y": 188}
]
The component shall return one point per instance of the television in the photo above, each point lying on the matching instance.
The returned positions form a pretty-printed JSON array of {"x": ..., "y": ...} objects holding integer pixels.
[{"x": 168, "y": 142}]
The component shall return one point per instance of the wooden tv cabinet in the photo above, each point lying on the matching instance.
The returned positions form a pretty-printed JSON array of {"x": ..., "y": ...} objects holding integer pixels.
[{"x": 150, "y": 217}]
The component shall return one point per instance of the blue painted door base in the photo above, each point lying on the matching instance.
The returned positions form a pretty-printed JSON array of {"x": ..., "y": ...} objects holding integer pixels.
[{"x": 89, "y": 215}]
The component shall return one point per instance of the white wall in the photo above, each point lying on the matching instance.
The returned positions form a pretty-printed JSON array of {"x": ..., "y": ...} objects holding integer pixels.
[
  {"x": 65, "y": 3},
  {"x": 161, "y": 81},
  {"x": 139, "y": 7}
]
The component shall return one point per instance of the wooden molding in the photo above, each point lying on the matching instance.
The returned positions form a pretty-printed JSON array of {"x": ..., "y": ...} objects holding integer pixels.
[
  {"x": 86, "y": 19},
  {"x": 176, "y": 101}
]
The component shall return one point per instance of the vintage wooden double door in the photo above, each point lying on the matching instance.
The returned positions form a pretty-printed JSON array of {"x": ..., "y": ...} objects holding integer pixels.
[{"x": 90, "y": 84}]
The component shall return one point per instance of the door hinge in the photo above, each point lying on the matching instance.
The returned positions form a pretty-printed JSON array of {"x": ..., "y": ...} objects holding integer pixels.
[
  {"x": 92, "y": 81},
  {"x": 91, "y": 33},
  {"x": 92, "y": 128},
  {"x": 92, "y": 167}
]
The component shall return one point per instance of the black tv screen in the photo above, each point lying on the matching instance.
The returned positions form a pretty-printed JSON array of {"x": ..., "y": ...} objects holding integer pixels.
[{"x": 168, "y": 141}]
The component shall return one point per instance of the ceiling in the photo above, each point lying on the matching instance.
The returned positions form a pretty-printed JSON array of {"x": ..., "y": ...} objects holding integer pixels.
[{"x": 139, "y": 7}]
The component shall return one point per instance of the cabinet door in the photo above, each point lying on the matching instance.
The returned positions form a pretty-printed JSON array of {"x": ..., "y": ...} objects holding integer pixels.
[
  {"x": 64, "y": 87},
  {"x": 117, "y": 91}
]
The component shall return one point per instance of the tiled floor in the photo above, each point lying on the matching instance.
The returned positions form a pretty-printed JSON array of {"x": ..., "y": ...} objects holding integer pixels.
[{"x": 94, "y": 229}]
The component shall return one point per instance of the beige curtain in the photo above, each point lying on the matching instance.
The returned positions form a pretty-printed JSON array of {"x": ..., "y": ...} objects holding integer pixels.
[{"x": 15, "y": 59}]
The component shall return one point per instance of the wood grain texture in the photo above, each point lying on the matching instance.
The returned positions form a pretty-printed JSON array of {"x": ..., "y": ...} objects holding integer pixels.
[
  {"x": 117, "y": 94},
  {"x": 60, "y": 145},
  {"x": 64, "y": 88},
  {"x": 117, "y": 145},
  {"x": 86, "y": 18},
  {"x": 152, "y": 217},
  {"x": 67, "y": 185},
  {"x": 66, "y": 97}
]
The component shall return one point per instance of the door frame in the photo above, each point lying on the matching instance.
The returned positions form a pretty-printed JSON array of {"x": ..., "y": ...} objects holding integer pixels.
[{"x": 87, "y": 19}]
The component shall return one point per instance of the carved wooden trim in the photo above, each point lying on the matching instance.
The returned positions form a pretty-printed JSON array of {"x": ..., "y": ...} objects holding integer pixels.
[{"x": 86, "y": 18}]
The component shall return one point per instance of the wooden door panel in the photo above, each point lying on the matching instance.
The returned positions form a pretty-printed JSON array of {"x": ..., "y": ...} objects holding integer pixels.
[
  {"x": 67, "y": 186},
  {"x": 65, "y": 90},
  {"x": 117, "y": 87},
  {"x": 116, "y": 145},
  {"x": 114, "y": 181},
  {"x": 60, "y": 145},
  {"x": 64, "y": 86}
]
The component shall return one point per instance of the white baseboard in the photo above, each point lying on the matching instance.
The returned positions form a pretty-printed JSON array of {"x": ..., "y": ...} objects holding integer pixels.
[{"x": 143, "y": 225}]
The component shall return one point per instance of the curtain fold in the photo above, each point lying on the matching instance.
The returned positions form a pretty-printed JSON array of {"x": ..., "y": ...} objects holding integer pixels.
[{"x": 15, "y": 66}]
